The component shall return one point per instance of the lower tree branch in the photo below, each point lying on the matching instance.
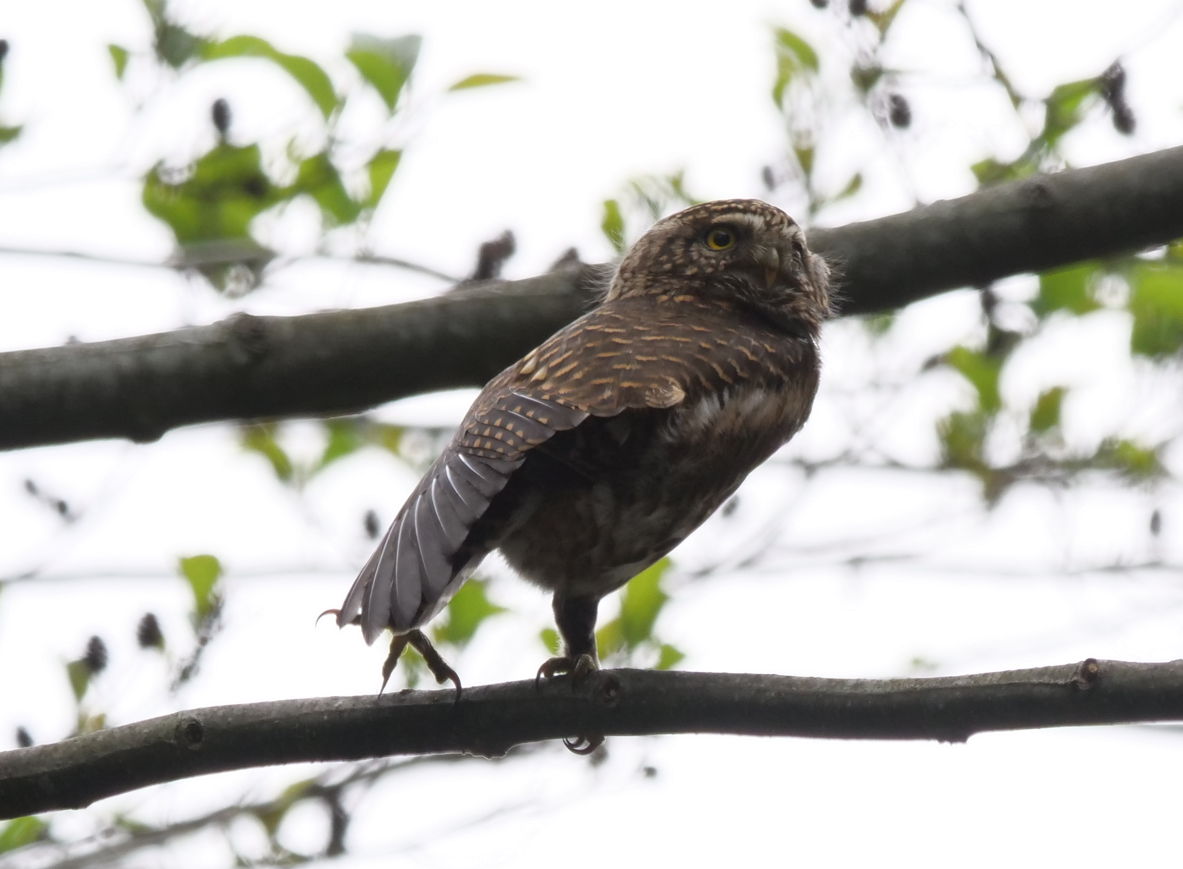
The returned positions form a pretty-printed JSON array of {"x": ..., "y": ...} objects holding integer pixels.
[
  {"x": 346, "y": 361},
  {"x": 489, "y": 720}
]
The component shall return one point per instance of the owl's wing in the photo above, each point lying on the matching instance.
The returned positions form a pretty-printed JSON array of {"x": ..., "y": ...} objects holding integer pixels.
[
  {"x": 630, "y": 354},
  {"x": 414, "y": 570}
]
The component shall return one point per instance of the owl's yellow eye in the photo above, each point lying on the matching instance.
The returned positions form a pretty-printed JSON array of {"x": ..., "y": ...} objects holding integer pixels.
[{"x": 720, "y": 238}]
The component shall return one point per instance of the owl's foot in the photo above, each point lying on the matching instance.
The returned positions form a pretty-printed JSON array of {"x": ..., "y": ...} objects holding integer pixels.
[
  {"x": 578, "y": 667},
  {"x": 435, "y": 663}
]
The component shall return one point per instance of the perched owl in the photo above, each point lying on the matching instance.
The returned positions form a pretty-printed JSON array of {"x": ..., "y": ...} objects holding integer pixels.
[{"x": 601, "y": 450}]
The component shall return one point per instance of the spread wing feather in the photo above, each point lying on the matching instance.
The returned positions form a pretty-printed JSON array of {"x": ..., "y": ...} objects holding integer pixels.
[
  {"x": 414, "y": 569},
  {"x": 629, "y": 353}
]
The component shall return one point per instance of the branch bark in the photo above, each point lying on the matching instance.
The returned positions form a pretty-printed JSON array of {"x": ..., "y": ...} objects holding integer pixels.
[
  {"x": 345, "y": 361},
  {"x": 489, "y": 720}
]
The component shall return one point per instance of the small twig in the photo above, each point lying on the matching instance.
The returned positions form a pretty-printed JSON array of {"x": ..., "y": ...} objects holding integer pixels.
[{"x": 193, "y": 259}]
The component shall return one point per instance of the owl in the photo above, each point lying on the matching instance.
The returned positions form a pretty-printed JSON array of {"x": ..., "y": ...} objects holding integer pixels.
[{"x": 602, "y": 449}]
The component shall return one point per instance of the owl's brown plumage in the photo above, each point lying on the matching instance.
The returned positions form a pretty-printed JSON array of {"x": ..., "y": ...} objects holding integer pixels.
[{"x": 601, "y": 450}]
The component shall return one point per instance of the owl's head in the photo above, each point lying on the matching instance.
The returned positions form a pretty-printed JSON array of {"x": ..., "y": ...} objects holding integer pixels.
[{"x": 743, "y": 250}]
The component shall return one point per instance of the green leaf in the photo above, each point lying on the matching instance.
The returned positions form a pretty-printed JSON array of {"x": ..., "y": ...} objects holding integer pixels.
[
  {"x": 853, "y": 186},
  {"x": 20, "y": 832},
  {"x": 344, "y": 438},
  {"x": 866, "y": 76},
  {"x": 1046, "y": 414},
  {"x": 273, "y": 814},
  {"x": 1067, "y": 289},
  {"x": 308, "y": 75},
  {"x": 550, "y": 639},
  {"x": 1156, "y": 302},
  {"x": 990, "y": 171},
  {"x": 482, "y": 79},
  {"x": 657, "y": 194},
  {"x": 225, "y": 191},
  {"x": 210, "y": 209},
  {"x": 467, "y": 609},
  {"x": 413, "y": 667},
  {"x": 962, "y": 437},
  {"x": 980, "y": 370},
  {"x": 612, "y": 225},
  {"x": 79, "y": 675},
  {"x": 669, "y": 658},
  {"x": 319, "y": 178},
  {"x": 175, "y": 45},
  {"x": 202, "y": 572},
  {"x": 261, "y": 439},
  {"x": 883, "y": 20},
  {"x": 156, "y": 10},
  {"x": 1065, "y": 108},
  {"x": 609, "y": 639},
  {"x": 7, "y": 134},
  {"x": 804, "y": 159},
  {"x": 119, "y": 56},
  {"x": 91, "y": 723},
  {"x": 386, "y": 64},
  {"x": 641, "y": 603},
  {"x": 1132, "y": 461},
  {"x": 793, "y": 56},
  {"x": 131, "y": 825},
  {"x": 877, "y": 324},
  {"x": 389, "y": 437},
  {"x": 382, "y": 167}
]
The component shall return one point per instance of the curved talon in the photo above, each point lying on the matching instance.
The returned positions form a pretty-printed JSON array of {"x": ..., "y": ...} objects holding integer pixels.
[
  {"x": 583, "y": 745},
  {"x": 435, "y": 663},
  {"x": 550, "y": 668},
  {"x": 334, "y": 612},
  {"x": 578, "y": 668}
]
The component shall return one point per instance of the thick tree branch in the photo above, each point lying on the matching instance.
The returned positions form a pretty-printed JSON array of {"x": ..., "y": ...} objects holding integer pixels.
[
  {"x": 343, "y": 361},
  {"x": 490, "y": 720}
]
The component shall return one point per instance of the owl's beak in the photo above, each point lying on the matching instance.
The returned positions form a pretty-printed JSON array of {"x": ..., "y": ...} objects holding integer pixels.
[{"x": 768, "y": 260}]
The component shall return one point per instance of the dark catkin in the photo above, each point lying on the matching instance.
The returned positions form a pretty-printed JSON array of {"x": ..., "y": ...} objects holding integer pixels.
[
  {"x": 371, "y": 524},
  {"x": 96, "y": 656},
  {"x": 899, "y": 112},
  {"x": 220, "y": 112},
  {"x": 1113, "y": 81},
  {"x": 148, "y": 633}
]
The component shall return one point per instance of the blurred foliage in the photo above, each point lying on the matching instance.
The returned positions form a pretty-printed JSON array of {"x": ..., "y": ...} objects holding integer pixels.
[
  {"x": 1148, "y": 288},
  {"x": 202, "y": 573},
  {"x": 466, "y": 611},
  {"x": 7, "y": 134},
  {"x": 342, "y": 436},
  {"x": 629, "y": 640},
  {"x": 20, "y": 832},
  {"x": 642, "y": 201},
  {"x": 211, "y": 203}
]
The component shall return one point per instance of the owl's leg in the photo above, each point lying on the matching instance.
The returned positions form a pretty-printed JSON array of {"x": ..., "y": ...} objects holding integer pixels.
[
  {"x": 435, "y": 663},
  {"x": 575, "y": 617}
]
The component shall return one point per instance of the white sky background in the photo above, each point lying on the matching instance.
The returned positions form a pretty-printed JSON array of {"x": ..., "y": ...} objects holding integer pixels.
[{"x": 610, "y": 92}]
